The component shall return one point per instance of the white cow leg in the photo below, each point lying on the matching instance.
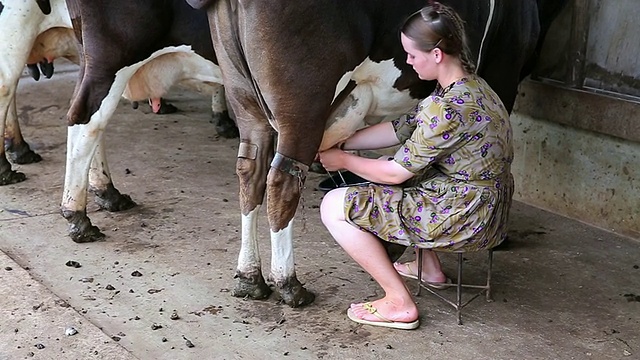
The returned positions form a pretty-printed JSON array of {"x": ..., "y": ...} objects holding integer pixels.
[
  {"x": 7, "y": 175},
  {"x": 17, "y": 149},
  {"x": 101, "y": 185},
  {"x": 225, "y": 126},
  {"x": 82, "y": 141},
  {"x": 283, "y": 273},
  {"x": 252, "y": 283}
]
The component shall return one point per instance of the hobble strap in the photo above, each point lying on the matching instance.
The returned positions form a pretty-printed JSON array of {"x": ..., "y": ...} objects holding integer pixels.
[
  {"x": 290, "y": 166},
  {"x": 247, "y": 150}
]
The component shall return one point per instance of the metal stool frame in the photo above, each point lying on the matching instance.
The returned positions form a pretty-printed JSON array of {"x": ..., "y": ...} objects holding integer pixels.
[{"x": 458, "y": 304}]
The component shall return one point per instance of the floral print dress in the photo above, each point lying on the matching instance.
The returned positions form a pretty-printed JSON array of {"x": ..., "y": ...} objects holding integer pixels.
[{"x": 458, "y": 143}]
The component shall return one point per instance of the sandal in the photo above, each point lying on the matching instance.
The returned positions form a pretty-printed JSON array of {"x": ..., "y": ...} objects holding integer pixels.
[
  {"x": 410, "y": 275},
  {"x": 384, "y": 322}
]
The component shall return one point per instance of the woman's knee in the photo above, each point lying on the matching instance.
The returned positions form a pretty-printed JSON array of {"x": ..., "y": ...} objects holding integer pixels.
[{"x": 332, "y": 206}]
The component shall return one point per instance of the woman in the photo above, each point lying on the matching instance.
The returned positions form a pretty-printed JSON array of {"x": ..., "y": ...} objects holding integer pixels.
[{"x": 449, "y": 185}]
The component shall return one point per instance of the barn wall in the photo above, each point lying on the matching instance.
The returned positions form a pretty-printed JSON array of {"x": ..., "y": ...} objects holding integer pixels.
[
  {"x": 611, "y": 61},
  {"x": 578, "y": 142},
  {"x": 577, "y": 169}
]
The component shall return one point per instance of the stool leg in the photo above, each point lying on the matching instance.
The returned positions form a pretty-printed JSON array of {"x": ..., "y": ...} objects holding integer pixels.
[
  {"x": 459, "y": 290},
  {"x": 488, "y": 294},
  {"x": 419, "y": 262}
]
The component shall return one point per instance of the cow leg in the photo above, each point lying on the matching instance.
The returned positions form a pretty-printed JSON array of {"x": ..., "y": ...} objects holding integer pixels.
[
  {"x": 85, "y": 153},
  {"x": 17, "y": 149},
  {"x": 283, "y": 194},
  {"x": 225, "y": 126},
  {"x": 253, "y": 156},
  {"x": 101, "y": 185},
  {"x": 82, "y": 143},
  {"x": 7, "y": 175}
]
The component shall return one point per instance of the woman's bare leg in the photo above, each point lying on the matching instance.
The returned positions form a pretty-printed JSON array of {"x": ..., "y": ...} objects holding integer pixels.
[
  {"x": 367, "y": 250},
  {"x": 431, "y": 268}
]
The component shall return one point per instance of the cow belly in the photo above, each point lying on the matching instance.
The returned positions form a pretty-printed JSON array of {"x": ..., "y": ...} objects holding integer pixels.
[
  {"x": 155, "y": 77},
  {"x": 373, "y": 99}
]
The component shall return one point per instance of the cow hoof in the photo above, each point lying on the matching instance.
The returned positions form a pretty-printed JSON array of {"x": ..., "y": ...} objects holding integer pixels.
[
  {"x": 20, "y": 153},
  {"x": 225, "y": 126},
  {"x": 89, "y": 234},
  {"x": 251, "y": 286},
  {"x": 293, "y": 293},
  {"x": 11, "y": 177},
  {"x": 112, "y": 200},
  {"x": 24, "y": 157},
  {"x": 80, "y": 228}
]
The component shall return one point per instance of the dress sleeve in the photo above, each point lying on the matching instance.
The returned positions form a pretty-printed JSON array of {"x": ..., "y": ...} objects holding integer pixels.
[
  {"x": 406, "y": 124},
  {"x": 438, "y": 130}
]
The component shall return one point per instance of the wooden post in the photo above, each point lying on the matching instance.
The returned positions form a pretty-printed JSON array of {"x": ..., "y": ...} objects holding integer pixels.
[{"x": 578, "y": 43}]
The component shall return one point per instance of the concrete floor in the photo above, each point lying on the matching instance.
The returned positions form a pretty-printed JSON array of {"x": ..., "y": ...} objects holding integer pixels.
[{"x": 562, "y": 289}]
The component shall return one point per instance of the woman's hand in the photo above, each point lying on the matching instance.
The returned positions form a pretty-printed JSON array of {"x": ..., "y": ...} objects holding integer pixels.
[{"x": 332, "y": 159}]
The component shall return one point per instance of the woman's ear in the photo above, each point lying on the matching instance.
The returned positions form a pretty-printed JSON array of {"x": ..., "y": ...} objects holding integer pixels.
[{"x": 437, "y": 55}]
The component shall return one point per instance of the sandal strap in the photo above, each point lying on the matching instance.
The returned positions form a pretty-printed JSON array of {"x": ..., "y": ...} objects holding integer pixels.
[{"x": 373, "y": 311}]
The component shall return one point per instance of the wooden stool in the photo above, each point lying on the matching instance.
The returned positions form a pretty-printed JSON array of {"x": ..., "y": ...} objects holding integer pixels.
[{"x": 458, "y": 304}]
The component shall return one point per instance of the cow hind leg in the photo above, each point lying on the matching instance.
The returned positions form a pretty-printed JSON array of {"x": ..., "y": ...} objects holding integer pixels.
[
  {"x": 100, "y": 184},
  {"x": 253, "y": 156},
  {"x": 284, "y": 183},
  {"x": 7, "y": 175},
  {"x": 17, "y": 149},
  {"x": 225, "y": 126},
  {"x": 81, "y": 146},
  {"x": 249, "y": 279}
]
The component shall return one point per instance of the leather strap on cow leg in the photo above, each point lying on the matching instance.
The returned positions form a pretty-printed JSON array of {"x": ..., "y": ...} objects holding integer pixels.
[
  {"x": 290, "y": 166},
  {"x": 247, "y": 150}
]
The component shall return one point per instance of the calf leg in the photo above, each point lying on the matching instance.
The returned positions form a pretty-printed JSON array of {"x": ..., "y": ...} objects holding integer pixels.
[{"x": 17, "y": 149}]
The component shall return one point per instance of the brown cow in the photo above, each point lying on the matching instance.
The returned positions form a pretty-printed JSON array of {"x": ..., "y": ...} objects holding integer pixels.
[{"x": 293, "y": 67}]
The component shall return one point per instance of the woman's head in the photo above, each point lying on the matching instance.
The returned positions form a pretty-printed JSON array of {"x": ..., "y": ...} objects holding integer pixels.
[{"x": 436, "y": 27}]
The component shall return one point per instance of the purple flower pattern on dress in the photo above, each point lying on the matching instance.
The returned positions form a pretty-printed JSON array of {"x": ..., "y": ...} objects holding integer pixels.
[{"x": 446, "y": 210}]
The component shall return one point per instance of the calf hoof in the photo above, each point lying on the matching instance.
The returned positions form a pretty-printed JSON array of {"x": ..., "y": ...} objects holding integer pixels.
[
  {"x": 80, "y": 228},
  {"x": 293, "y": 293},
  {"x": 225, "y": 126},
  {"x": 112, "y": 200},
  {"x": 252, "y": 286},
  {"x": 11, "y": 177}
]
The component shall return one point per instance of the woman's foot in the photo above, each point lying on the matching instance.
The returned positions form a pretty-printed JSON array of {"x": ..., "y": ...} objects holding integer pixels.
[
  {"x": 383, "y": 312},
  {"x": 410, "y": 270}
]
